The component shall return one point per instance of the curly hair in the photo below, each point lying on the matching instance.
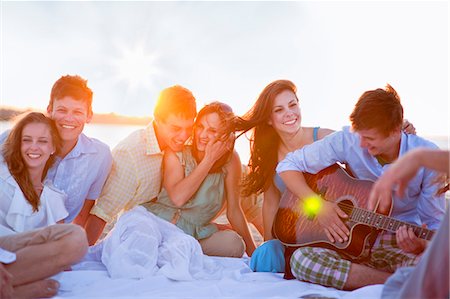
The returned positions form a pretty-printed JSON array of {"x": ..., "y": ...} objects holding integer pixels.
[
  {"x": 264, "y": 141},
  {"x": 13, "y": 156}
]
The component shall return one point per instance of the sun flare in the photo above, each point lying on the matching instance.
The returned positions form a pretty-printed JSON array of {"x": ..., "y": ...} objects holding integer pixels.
[{"x": 136, "y": 67}]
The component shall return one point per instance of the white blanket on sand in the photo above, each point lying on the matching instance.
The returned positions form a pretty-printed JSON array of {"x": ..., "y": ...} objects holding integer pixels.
[
  {"x": 122, "y": 267},
  {"x": 142, "y": 245}
]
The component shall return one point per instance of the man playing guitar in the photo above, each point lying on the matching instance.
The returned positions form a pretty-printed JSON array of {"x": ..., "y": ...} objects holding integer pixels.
[{"x": 373, "y": 142}]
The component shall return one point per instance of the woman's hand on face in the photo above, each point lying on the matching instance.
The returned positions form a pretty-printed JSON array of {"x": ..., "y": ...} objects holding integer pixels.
[{"x": 217, "y": 147}]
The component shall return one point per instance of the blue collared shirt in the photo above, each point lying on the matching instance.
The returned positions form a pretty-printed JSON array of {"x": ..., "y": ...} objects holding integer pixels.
[
  {"x": 81, "y": 174},
  {"x": 420, "y": 204}
]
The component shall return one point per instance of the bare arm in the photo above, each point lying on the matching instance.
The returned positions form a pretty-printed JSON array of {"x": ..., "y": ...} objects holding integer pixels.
[
  {"x": 399, "y": 174},
  {"x": 180, "y": 188},
  {"x": 94, "y": 228},
  {"x": 269, "y": 209},
  {"x": 234, "y": 210},
  {"x": 84, "y": 213},
  {"x": 402, "y": 171}
]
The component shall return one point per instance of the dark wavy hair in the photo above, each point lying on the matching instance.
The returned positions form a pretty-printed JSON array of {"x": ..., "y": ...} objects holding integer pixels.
[
  {"x": 13, "y": 157},
  {"x": 227, "y": 119},
  {"x": 264, "y": 141}
]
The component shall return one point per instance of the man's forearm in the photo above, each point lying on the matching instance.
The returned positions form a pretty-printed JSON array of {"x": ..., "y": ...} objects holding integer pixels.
[{"x": 94, "y": 228}]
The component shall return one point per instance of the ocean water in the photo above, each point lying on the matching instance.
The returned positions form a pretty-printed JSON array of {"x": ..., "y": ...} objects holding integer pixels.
[{"x": 113, "y": 134}]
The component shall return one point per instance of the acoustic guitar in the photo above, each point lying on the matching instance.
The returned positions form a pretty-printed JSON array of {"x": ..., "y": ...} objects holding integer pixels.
[{"x": 295, "y": 228}]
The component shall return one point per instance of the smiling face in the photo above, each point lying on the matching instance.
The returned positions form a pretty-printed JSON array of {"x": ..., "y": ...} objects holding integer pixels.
[
  {"x": 206, "y": 129},
  {"x": 285, "y": 116},
  {"x": 70, "y": 116},
  {"x": 378, "y": 144},
  {"x": 36, "y": 145},
  {"x": 173, "y": 132}
]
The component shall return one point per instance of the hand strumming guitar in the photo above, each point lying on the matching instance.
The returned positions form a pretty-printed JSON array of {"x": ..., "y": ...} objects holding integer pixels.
[{"x": 329, "y": 218}]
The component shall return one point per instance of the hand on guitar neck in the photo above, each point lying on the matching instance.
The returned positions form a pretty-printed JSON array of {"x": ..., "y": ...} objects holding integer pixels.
[
  {"x": 329, "y": 217},
  {"x": 408, "y": 241}
]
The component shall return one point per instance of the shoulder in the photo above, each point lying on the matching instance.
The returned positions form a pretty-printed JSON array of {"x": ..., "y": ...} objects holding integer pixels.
[
  {"x": 132, "y": 140},
  {"x": 133, "y": 143},
  {"x": 322, "y": 132},
  {"x": 414, "y": 141},
  {"x": 95, "y": 144},
  {"x": 172, "y": 158},
  {"x": 234, "y": 164}
]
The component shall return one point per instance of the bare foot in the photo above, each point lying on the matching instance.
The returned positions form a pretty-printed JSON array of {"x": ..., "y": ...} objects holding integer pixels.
[{"x": 39, "y": 289}]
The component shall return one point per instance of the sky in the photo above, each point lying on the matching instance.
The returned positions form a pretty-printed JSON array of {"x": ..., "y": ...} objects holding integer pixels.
[{"x": 229, "y": 51}]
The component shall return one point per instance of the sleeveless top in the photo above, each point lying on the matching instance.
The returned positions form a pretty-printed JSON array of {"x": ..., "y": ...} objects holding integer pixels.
[
  {"x": 278, "y": 182},
  {"x": 196, "y": 215}
]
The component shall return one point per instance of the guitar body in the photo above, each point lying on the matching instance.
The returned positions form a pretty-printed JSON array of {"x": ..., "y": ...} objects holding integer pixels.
[{"x": 293, "y": 227}]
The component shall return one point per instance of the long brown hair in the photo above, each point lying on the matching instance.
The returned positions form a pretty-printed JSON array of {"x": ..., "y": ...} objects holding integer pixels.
[
  {"x": 264, "y": 141},
  {"x": 13, "y": 155},
  {"x": 227, "y": 119}
]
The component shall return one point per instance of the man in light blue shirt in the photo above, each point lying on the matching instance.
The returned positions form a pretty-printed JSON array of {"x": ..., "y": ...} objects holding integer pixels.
[
  {"x": 82, "y": 163},
  {"x": 367, "y": 148}
]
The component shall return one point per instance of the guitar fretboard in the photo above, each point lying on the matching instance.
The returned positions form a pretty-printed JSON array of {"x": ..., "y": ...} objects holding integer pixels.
[{"x": 381, "y": 221}]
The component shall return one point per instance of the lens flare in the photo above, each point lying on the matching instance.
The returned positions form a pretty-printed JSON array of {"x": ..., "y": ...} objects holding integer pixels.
[{"x": 312, "y": 206}]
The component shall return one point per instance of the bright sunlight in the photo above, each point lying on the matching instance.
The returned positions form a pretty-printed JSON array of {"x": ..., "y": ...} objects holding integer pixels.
[{"x": 136, "y": 67}]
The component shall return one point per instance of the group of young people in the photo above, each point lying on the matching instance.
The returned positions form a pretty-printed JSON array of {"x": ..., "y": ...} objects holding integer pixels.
[{"x": 183, "y": 168}]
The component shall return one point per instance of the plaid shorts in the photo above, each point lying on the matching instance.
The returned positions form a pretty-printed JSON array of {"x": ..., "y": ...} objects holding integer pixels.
[{"x": 329, "y": 268}]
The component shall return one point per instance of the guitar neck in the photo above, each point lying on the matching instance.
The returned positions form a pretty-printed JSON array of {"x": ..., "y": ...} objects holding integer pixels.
[{"x": 383, "y": 222}]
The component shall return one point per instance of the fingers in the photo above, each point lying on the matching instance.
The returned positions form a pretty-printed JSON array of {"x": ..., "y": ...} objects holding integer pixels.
[
  {"x": 408, "y": 241},
  {"x": 329, "y": 235},
  {"x": 373, "y": 200},
  {"x": 338, "y": 232},
  {"x": 379, "y": 198},
  {"x": 334, "y": 227},
  {"x": 408, "y": 127}
]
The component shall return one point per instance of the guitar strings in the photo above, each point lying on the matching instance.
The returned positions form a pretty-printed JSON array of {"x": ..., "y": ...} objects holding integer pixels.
[{"x": 348, "y": 209}]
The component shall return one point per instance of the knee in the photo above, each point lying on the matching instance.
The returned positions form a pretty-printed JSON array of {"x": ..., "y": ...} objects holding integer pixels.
[
  {"x": 300, "y": 263},
  {"x": 237, "y": 247},
  {"x": 73, "y": 244},
  {"x": 235, "y": 243}
]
